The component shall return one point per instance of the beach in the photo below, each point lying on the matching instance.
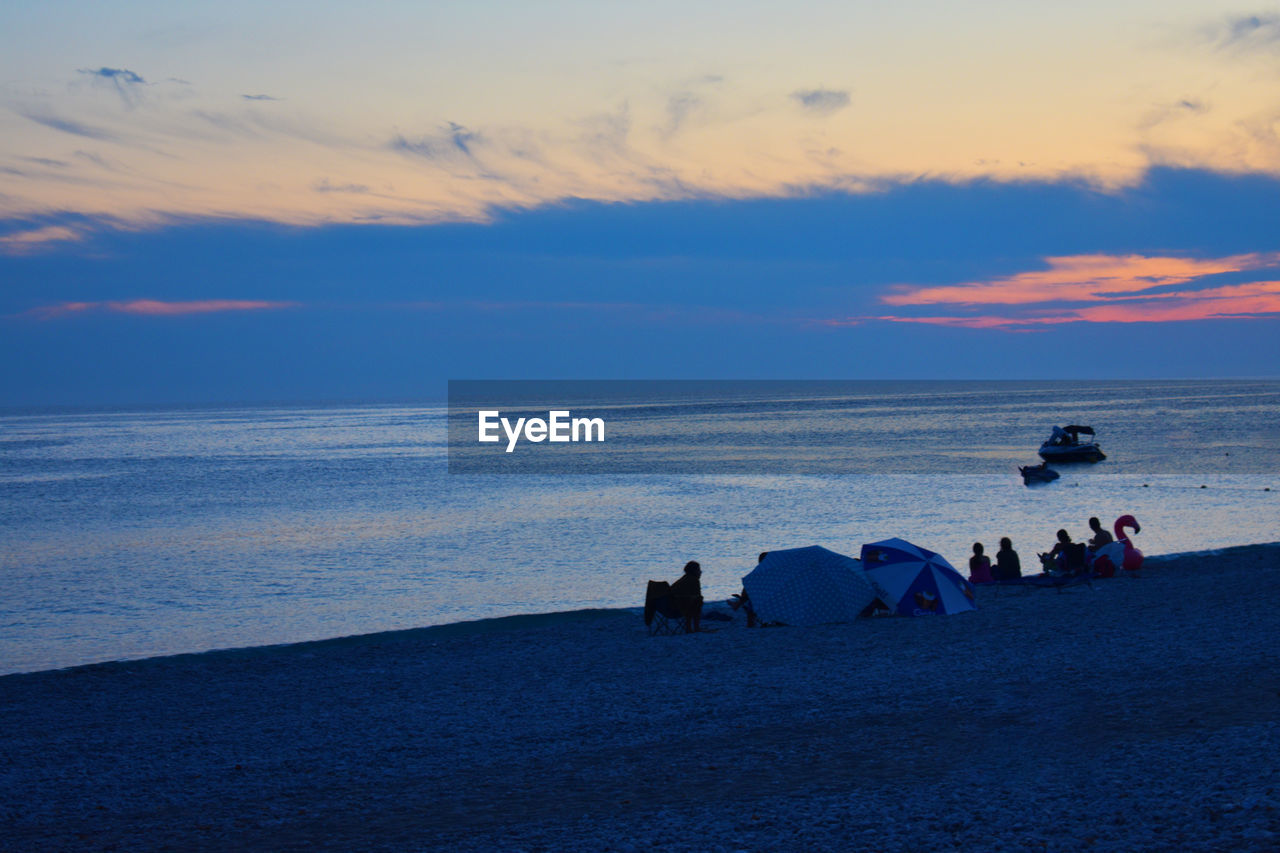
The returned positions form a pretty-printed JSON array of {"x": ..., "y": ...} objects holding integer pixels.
[{"x": 1139, "y": 714}]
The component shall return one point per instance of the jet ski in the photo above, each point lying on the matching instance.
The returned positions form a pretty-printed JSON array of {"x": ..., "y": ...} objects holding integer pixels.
[{"x": 1042, "y": 473}]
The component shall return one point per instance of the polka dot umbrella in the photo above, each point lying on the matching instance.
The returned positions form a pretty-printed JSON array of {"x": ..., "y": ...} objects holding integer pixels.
[{"x": 807, "y": 586}]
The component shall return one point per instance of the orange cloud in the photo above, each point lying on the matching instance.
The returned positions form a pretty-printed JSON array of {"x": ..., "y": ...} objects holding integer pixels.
[
  {"x": 1080, "y": 278},
  {"x": 157, "y": 308},
  {"x": 1232, "y": 302},
  {"x": 1112, "y": 288}
]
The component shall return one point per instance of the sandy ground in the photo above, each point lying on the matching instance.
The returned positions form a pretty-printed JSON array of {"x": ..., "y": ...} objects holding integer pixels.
[{"x": 1141, "y": 714}]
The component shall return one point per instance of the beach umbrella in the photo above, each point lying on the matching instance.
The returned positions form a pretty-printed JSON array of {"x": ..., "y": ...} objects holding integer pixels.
[
  {"x": 915, "y": 581},
  {"x": 807, "y": 586}
]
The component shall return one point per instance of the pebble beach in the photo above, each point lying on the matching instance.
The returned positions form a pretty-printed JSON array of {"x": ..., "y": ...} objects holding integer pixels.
[{"x": 1139, "y": 714}]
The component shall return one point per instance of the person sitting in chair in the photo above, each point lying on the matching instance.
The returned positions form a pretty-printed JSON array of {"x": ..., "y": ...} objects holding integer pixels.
[
  {"x": 1058, "y": 553},
  {"x": 687, "y": 595},
  {"x": 1068, "y": 556}
]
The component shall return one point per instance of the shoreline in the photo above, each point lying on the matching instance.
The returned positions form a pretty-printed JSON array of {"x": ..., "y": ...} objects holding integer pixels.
[
  {"x": 499, "y": 624},
  {"x": 1140, "y": 715}
]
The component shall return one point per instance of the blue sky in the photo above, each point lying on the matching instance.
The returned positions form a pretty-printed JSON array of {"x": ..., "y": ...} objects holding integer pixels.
[{"x": 204, "y": 205}]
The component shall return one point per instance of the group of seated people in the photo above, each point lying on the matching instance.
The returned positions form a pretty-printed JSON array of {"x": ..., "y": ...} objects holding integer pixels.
[
  {"x": 1008, "y": 566},
  {"x": 1065, "y": 558}
]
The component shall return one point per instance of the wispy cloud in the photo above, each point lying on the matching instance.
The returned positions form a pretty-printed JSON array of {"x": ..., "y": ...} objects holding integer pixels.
[
  {"x": 1092, "y": 289},
  {"x": 36, "y": 239},
  {"x": 821, "y": 100},
  {"x": 124, "y": 82},
  {"x": 451, "y": 140},
  {"x": 1162, "y": 113},
  {"x": 47, "y": 161},
  {"x": 680, "y": 108},
  {"x": 259, "y": 98},
  {"x": 75, "y": 128},
  {"x": 96, "y": 159},
  {"x": 229, "y": 127},
  {"x": 324, "y": 186},
  {"x": 1249, "y": 32},
  {"x": 119, "y": 76},
  {"x": 606, "y": 135},
  {"x": 232, "y": 125},
  {"x": 1237, "y": 302},
  {"x": 157, "y": 308},
  {"x": 1080, "y": 278}
]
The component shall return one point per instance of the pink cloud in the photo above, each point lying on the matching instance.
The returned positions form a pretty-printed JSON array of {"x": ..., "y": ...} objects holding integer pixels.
[
  {"x": 27, "y": 242},
  {"x": 158, "y": 308},
  {"x": 1104, "y": 288},
  {"x": 1080, "y": 278},
  {"x": 1231, "y": 302}
]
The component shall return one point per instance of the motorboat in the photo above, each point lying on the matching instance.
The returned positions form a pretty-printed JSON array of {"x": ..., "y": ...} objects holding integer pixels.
[
  {"x": 1041, "y": 473},
  {"x": 1072, "y": 443}
]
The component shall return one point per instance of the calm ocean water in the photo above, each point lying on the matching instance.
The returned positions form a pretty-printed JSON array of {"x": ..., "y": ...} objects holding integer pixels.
[{"x": 135, "y": 533}]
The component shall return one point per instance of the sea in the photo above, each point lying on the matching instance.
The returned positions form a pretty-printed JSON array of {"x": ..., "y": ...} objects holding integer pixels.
[{"x": 135, "y": 533}]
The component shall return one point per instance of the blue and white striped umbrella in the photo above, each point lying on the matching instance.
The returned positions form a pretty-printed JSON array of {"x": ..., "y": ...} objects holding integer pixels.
[
  {"x": 915, "y": 581},
  {"x": 807, "y": 586}
]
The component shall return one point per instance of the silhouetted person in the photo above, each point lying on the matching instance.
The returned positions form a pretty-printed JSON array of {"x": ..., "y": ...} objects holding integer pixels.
[
  {"x": 1008, "y": 566},
  {"x": 979, "y": 566},
  {"x": 1100, "y": 534},
  {"x": 1059, "y": 549},
  {"x": 687, "y": 595},
  {"x": 742, "y": 600},
  {"x": 1070, "y": 556}
]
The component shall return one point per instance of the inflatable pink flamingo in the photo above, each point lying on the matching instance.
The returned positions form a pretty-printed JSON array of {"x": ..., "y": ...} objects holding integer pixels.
[
  {"x": 1119, "y": 554},
  {"x": 1132, "y": 556}
]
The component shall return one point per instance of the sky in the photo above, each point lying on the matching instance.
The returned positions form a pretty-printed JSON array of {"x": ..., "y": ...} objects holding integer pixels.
[{"x": 239, "y": 202}]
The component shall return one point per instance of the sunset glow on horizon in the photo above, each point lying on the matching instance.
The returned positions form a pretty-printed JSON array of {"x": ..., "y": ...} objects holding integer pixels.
[
  {"x": 312, "y": 200},
  {"x": 443, "y": 113}
]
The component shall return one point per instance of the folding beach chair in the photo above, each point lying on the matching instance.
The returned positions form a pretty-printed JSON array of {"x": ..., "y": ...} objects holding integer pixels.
[
  {"x": 662, "y": 613},
  {"x": 1074, "y": 560}
]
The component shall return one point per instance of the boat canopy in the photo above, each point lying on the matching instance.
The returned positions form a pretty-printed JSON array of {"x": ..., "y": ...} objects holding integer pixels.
[{"x": 1075, "y": 429}]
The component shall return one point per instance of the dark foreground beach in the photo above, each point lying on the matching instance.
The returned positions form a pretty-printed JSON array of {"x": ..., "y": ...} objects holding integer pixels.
[{"x": 1138, "y": 715}]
